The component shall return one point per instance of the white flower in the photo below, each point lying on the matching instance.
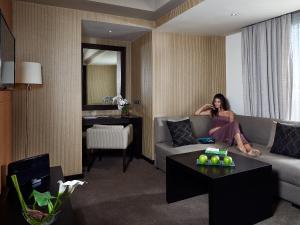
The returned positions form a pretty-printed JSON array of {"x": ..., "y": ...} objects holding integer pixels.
[
  {"x": 71, "y": 185},
  {"x": 117, "y": 98},
  {"x": 121, "y": 102}
]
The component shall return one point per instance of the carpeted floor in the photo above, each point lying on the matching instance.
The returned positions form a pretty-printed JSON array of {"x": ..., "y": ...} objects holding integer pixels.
[{"x": 138, "y": 197}]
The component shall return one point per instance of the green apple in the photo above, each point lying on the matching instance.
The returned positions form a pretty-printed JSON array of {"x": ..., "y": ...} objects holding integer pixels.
[
  {"x": 215, "y": 160},
  {"x": 227, "y": 160},
  {"x": 203, "y": 159}
]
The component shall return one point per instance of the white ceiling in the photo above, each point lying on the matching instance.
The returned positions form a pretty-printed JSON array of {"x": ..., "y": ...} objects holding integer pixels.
[
  {"x": 148, "y": 5},
  {"x": 213, "y": 17},
  {"x": 103, "y": 57},
  {"x": 119, "y": 32},
  {"x": 144, "y": 9}
]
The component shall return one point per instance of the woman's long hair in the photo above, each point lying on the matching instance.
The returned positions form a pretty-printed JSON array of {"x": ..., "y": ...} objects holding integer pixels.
[{"x": 224, "y": 104}]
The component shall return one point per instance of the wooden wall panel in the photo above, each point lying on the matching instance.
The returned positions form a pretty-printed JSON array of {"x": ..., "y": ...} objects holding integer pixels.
[
  {"x": 5, "y": 134},
  {"x": 5, "y": 110},
  {"x": 52, "y": 36},
  {"x": 6, "y": 8},
  {"x": 142, "y": 87},
  {"x": 188, "y": 71},
  {"x": 218, "y": 65},
  {"x": 173, "y": 74}
]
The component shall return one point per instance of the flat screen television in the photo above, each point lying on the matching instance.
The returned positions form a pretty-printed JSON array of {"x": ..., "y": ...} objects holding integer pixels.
[{"x": 7, "y": 55}]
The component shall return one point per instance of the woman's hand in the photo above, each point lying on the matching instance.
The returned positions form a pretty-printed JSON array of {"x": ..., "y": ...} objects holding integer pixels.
[
  {"x": 204, "y": 110},
  {"x": 208, "y": 106},
  {"x": 211, "y": 131}
]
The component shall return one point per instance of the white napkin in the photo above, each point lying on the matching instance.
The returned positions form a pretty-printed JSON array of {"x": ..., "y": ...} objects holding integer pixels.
[{"x": 212, "y": 149}]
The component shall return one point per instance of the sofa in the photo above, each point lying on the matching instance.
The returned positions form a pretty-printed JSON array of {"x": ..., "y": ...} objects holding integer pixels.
[{"x": 256, "y": 130}]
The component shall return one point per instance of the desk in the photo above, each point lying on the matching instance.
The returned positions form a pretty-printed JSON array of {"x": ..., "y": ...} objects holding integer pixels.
[
  {"x": 10, "y": 213},
  {"x": 137, "y": 123}
]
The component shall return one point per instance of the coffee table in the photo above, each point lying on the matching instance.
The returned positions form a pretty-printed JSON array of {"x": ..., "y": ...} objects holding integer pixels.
[{"x": 242, "y": 195}]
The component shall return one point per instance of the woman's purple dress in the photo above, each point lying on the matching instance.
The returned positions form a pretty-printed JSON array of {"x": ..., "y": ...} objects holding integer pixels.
[{"x": 227, "y": 130}]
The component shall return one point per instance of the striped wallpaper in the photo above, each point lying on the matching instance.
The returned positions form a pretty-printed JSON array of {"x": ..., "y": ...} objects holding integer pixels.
[
  {"x": 142, "y": 87},
  {"x": 188, "y": 71},
  {"x": 52, "y": 36},
  {"x": 171, "y": 74}
]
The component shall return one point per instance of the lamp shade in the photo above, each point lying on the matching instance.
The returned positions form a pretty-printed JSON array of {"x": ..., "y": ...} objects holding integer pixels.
[{"x": 30, "y": 73}]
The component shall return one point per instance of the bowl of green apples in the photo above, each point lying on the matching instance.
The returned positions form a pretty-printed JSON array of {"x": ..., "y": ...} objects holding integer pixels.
[{"x": 215, "y": 160}]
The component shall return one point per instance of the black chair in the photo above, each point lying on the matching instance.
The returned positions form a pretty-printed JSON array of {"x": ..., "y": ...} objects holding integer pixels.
[{"x": 31, "y": 173}]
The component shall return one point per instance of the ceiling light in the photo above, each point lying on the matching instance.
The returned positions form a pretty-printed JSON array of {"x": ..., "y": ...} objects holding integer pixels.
[
  {"x": 109, "y": 31},
  {"x": 235, "y": 14}
]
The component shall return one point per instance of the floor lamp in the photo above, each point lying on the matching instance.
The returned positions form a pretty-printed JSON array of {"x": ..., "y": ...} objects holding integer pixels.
[{"x": 30, "y": 74}]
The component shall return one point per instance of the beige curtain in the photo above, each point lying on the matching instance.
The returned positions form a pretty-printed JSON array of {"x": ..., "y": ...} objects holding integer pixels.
[{"x": 267, "y": 68}]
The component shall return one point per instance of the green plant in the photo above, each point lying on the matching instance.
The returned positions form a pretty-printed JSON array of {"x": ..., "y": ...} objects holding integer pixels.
[
  {"x": 125, "y": 109},
  {"x": 45, "y": 206}
]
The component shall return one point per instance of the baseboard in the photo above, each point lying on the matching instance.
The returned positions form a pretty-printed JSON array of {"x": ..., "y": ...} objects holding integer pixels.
[
  {"x": 151, "y": 161},
  {"x": 296, "y": 206},
  {"x": 74, "y": 177}
]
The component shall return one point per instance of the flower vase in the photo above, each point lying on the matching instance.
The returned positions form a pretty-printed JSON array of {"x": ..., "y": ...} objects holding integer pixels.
[
  {"x": 125, "y": 110},
  {"x": 48, "y": 220}
]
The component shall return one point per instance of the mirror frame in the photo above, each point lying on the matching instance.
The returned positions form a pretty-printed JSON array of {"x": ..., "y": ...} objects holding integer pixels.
[{"x": 85, "y": 106}]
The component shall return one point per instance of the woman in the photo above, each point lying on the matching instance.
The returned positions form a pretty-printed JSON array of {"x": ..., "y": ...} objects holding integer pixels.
[{"x": 225, "y": 128}]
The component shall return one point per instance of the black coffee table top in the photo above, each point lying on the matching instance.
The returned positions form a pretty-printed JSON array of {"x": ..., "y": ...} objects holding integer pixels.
[{"x": 242, "y": 164}]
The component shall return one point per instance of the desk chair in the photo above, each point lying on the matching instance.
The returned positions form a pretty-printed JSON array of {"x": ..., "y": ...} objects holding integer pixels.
[{"x": 110, "y": 137}]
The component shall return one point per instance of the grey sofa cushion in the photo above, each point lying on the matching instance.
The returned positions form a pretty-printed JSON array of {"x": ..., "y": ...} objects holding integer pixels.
[
  {"x": 289, "y": 192},
  {"x": 287, "y": 140},
  {"x": 256, "y": 130},
  {"x": 181, "y": 132},
  {"x": 162, "y": 150},
  {"x": 288, "y": 168},
  {"x": 200, "y": 125},
  {"x": 161, "y": 130},
  {"x": 168, "y": 147}
]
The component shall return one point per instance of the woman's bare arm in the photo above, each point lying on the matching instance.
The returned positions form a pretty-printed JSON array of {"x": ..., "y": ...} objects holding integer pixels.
[
  {"x": 231, "y": 116},
  {"x": 204, "y": 110}
]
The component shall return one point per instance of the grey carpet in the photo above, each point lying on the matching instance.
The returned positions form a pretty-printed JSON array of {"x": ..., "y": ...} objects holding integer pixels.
[{"x": 138, "y": 197}]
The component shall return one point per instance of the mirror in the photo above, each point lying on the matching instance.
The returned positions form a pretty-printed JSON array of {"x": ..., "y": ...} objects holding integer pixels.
[{"x": 103, "y": 76}]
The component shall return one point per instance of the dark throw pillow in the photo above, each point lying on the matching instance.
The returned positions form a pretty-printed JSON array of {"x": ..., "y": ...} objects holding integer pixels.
[
  {"x": 287, "y": 140},
  {"x": 181, "y": 132}
]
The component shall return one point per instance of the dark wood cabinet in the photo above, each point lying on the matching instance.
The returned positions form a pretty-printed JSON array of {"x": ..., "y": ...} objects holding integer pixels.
[
  {"x": 5, "y": 134},
  {"x": 136, "y": 121}
]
